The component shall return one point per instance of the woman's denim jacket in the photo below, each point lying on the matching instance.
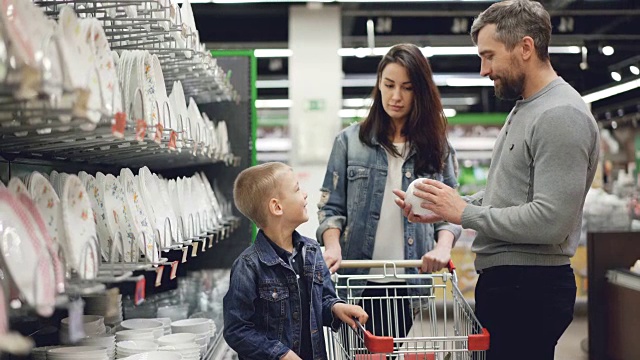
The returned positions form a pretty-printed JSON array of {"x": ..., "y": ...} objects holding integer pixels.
[
  {"x": 262, "y": 307},
  {"x": 352, "y": 195}
]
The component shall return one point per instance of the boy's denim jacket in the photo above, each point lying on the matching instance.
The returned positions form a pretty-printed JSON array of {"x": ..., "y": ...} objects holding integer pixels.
[
  {"x": 262, "y": 307},
  {"x": 352, "y": 195}
]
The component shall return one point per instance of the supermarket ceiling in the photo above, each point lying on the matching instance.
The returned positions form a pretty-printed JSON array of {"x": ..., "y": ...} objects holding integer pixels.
[{"x": 596, "y": 26}]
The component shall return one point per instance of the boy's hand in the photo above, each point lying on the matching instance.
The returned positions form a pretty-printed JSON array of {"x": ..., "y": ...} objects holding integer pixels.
[
  {"x": 290, "y": 356},
  {"x": 346, "y": 313}
]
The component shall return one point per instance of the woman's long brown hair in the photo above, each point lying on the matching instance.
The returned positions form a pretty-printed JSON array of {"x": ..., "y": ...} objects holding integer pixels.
[{"x": 426, "y": 125}]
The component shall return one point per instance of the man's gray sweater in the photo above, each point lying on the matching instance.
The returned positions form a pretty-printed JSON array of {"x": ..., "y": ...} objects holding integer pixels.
[{"x": 542, "y": 166}]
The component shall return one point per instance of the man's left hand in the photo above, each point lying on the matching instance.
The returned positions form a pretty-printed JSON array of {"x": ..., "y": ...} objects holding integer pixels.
[{"x": 445, "y": 200}]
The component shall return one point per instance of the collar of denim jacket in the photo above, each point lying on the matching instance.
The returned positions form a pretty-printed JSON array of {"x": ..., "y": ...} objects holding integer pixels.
[{"x": 267, "y": 254}]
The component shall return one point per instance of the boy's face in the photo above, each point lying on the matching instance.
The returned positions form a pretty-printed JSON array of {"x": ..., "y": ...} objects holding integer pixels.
[{"x": 292, "y": 199}]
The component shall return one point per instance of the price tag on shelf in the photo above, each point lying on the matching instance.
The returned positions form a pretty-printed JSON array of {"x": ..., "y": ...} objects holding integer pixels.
[
  {"x": 119, "y": 124},
  {"x": 159, "y": 272},
  {"x": 141, "y": 130},
  {"x": 204, "y": 246},
  {"x": 185, "y": 252},
  {"x": 174, "y": 270},
  {"x": 194, "y": 250},
  {"x": 172, "y": 140},
  {"x": 140, "y": 291},
  {"x": 210, "y": 241},
  {"x": 76, "y": 323},
  {"x": 159, "y": 130}
]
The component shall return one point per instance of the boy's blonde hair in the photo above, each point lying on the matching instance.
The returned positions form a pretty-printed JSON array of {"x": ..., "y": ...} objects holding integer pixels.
[{"x": 254, "y": 187}]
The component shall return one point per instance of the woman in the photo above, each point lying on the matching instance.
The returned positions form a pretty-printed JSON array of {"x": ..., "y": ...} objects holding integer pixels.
[{"x": 402, "y": 138}]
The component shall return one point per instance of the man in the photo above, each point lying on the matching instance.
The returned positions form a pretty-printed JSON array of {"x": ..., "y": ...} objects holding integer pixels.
[{"x": 529, "y": 216}]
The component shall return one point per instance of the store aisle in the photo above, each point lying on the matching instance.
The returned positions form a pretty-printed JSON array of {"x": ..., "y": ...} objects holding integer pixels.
[
  {"x": 311, "y": 177},
  {"x": 568, "y": 347}
]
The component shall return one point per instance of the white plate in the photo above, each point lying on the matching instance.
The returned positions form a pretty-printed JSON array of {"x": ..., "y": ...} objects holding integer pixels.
[
  {"x": 97, "y": 204},
  {"x": 146, "y": 235},
  {"x": 117, "y": 214},
  {"x": 45, "y": 240},
  {"x": 48, "y": 204},
  {"x": 27, "y": 262},
  {"x": 80, "y": 227}
]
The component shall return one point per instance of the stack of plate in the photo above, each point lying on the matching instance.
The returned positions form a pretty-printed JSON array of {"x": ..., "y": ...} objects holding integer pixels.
[
  {"x": 182, "y": 339},
  {"x": 144, "y": 324},
  {"x": 189, "y": 351},
  {"x": 99, "y": 305},
  {"x": 146, "y": 334},
  {"x": 93, "y": 325},
  {"x": 107, "y": 341},
  {"x": 132, "y": 347},
  {"x": 40, "y": 353},
  {"x": 78, "y": 353},
  {"x": 155, "y": 355},
  {"x": 166, "y": 325},
  {"x": 202, "y": 329}
]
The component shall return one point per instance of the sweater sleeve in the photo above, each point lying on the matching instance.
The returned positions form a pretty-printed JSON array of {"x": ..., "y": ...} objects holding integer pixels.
[{"x": 560, "y": 145}]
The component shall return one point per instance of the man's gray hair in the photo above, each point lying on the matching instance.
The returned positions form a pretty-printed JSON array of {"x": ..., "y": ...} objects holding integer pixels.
[{"x": 515, "y": 19}]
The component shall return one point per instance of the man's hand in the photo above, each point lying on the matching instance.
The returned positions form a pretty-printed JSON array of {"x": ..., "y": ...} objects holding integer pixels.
[
  {"x": 290, "y": 356},
  {"x": 332, "y": 250},
  {"x": 444, "y": 200},
  {"x": 346, "y": 313},
  {"x": 406, "y": 210}
]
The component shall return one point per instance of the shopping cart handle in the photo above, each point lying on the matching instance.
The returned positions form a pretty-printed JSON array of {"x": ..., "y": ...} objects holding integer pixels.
[
  {"x": 370, "y": 264},
  {"x": 376, "y": 344},
  {"x": 451, "y": 266}
]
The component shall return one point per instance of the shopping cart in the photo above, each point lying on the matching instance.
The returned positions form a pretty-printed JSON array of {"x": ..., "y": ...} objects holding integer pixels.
[{"x": 438, "y": 324}]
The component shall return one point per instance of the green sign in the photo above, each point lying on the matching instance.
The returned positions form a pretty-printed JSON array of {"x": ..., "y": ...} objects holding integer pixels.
[{"x": 315, "y": 105}]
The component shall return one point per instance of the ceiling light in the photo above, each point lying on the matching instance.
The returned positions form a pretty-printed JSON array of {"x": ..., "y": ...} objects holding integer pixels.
[
  {"x": 607, "y": 50},
  {"x": 428, "y": 51},
  {"x": 616, "y": 76},
  {"x": 634, "y": 70},
  {"x": 611, "y": 91},
  {"x": 366, "y": 103},
  {"x": 362, "y": 113},
  {"x": 369, "y": 80},
  {"x": 270, "y": 53},
  {"x": 462, "y": 82},
  {"x": 274, "y": 104}
]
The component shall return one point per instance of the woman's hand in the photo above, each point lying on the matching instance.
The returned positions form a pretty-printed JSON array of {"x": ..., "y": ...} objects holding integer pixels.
[
  {"x": 406, "y": 210},
  {"x": 439, "y": 257}
]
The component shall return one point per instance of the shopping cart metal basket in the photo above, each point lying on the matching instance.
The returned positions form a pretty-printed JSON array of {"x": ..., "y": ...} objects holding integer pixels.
[{"x": 437, "y": 324}]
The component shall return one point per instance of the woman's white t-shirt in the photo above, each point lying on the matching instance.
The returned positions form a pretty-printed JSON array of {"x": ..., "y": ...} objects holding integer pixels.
[{"x": 389, "y": 241}]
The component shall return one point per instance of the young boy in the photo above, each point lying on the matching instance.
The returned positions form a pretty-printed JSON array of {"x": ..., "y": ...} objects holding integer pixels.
[{"x": 280, "y": 294}]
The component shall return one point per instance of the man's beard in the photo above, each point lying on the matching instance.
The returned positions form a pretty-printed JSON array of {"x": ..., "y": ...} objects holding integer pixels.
[{"x": 511, "y": 87}]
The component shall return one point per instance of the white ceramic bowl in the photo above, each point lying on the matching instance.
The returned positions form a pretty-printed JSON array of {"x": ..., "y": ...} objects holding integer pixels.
[{"x": 415, "y": 201}]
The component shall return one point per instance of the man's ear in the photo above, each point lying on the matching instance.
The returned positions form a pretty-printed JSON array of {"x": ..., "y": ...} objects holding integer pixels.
[
  {"x": 528, "y": 48},
  {"x": 274, "y": 207}
]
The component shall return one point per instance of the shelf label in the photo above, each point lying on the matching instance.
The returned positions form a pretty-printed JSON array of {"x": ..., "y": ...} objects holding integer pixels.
[
  {"x": 159, "y": 272},
  {"x": 210, "y": 241},
  {"x": 120, "y": 123},
  {"x": 174, "y": 270},
  {"x": 159, "y": 130},
  {"x": 185, "y": 251},
  {"x": 194, "y": 250},
  {"x": 204, "y": 246},
  {"x": 140, "y": 291},
  {"x": 172, "y": 140},
  {"x": 141, "y": 130}
]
